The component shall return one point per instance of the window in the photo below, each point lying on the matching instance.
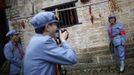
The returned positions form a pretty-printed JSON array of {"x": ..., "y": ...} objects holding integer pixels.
[{"x": 66, "y": 17}]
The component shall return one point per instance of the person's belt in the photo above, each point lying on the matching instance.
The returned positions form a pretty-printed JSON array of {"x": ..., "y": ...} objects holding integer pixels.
[{"x": 116, "y": 35}]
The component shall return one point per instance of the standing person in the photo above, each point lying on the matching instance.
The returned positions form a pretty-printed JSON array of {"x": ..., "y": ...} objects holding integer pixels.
[
  {"x": 13, "y": 52},
  {"x": 118, "y": 38},
  {"x": 42, "y": 53}
]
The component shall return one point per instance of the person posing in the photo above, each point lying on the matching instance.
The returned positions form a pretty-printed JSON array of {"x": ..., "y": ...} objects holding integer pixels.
[{"x": 118, "y": 38}]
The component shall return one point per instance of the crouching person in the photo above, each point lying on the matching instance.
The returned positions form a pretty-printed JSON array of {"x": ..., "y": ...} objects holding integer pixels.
[{"x": 42, "y": 53}]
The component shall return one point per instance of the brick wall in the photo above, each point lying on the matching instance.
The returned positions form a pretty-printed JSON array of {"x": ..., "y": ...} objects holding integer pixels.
[{"x": 89, "y": 40}]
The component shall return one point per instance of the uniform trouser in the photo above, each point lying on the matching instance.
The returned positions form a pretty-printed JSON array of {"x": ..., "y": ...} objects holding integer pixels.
[{"x": 120, "y": 53}]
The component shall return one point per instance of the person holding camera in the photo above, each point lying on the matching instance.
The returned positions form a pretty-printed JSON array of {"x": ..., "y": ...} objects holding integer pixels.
[
  {"x": 117, "y": 36},
  {"x": 43, "y": 54}
]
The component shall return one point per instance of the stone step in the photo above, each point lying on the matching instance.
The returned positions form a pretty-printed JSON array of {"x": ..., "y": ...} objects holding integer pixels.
[
  {"x": 92, "y": 57},
  {"x": 129, "y": 63},
  {"x": 101, "y": 62},
  {"x": 96, "y": 69},
  {"x": 101, "y": 48},
  {"x": 103, "y": 52}
]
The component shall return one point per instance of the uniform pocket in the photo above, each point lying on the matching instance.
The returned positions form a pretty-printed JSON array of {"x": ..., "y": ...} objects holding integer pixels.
[{"x": 117, "y": 40}]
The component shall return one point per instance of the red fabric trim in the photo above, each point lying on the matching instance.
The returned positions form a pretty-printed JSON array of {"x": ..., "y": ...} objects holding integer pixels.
[
  {"x": 20, "y": 50},
  {"x": 56, "y": 69},
  {"x": 122, "y": 33}
]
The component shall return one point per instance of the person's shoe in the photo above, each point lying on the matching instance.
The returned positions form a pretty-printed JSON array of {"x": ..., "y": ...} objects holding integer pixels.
[{"x": 122, "y": 67}]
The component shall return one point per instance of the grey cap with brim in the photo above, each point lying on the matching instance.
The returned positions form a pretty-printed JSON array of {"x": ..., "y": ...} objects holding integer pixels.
[
  {"x": 42, "y": 19},
  {"x": 11, "y": 33}
]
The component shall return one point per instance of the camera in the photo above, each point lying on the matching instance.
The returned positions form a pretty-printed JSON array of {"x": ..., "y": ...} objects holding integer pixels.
[{"x": 57, "y": 35}]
